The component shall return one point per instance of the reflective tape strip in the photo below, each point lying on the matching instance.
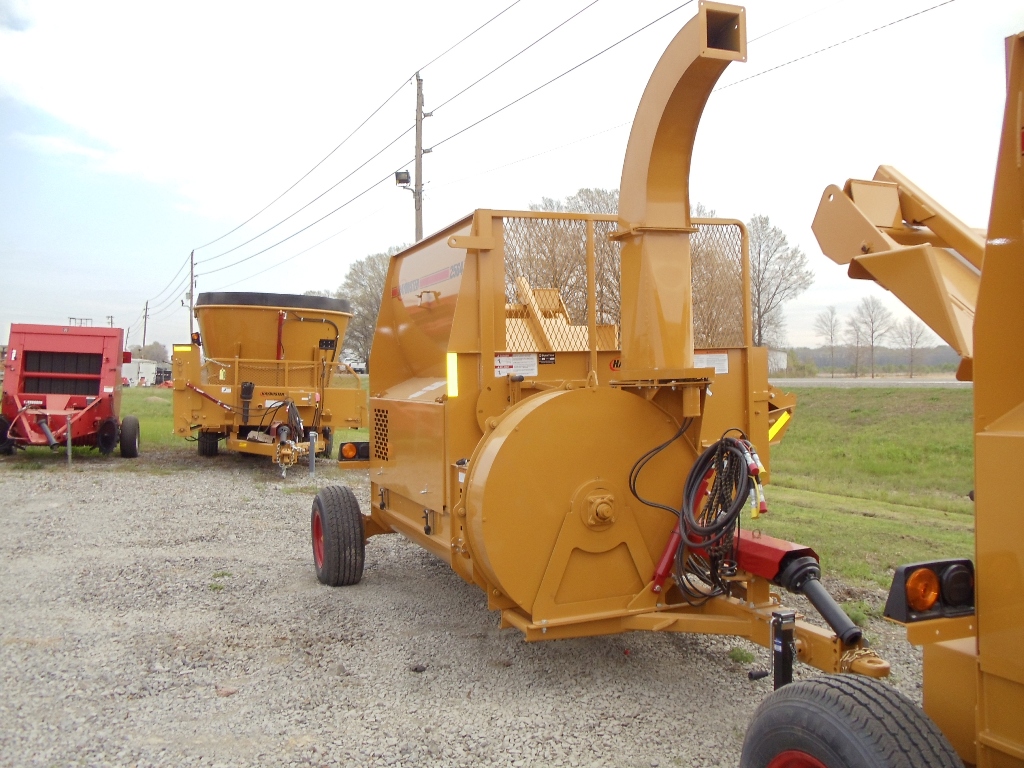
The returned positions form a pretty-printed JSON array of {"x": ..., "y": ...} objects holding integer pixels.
[
  {"x": 773, "y": 430},
  {"x": 453, "y": 374}
]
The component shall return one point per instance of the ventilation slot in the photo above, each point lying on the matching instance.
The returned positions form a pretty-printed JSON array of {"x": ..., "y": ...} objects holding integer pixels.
[{"x": 380, "y": 434}]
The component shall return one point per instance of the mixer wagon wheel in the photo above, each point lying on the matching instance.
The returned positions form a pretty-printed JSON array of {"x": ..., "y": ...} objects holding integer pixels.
[
  {"x": 6, "y": 443},
  {"x": 130, "y": 437},
  {"x": 106, "y": 436},
  {"x": 843, "y": 721},
  {"x": 208, "y": 443},
  {"x": 339, "y": 537},
  {"x": 328, "y": 436}
]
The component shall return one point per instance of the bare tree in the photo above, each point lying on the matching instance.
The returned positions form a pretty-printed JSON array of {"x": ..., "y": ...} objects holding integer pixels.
[
  {"x": 875, "y": 322},
  {"x": 778, "y": 273},
  {"x": 586, "y": 200},
  {"x": 829, "y": 329},
  {"x": 855, "y": 339},
  {"x": 911, "y": 334},
  {"x": 152, "y": 351},
  {"x": 363, "y": 287}
]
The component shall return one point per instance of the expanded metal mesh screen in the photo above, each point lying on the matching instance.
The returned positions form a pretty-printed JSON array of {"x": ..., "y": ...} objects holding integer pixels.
[
  {"x": 380, "y": 434},
  {"x": 546, "y": 285},
  {"x": 716, "y": 256}
]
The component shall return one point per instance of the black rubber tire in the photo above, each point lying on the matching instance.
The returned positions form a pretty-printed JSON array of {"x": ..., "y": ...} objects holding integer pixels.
[
  {"x": 129, "y": 437},
  {"x": 107, "y": 436},
  {"x": 846, "y": 721},
  {"x": 344, "y": 536},
  {"x": 328, "y": 436},
  {"x": 209, "y": 443},
  {"x": 6, "y": 443}
]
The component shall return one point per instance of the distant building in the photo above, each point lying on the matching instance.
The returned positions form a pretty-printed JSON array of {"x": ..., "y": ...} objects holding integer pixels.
[
  {"x": 145, "y": 373},
  {"x": 778, "y": 361}
]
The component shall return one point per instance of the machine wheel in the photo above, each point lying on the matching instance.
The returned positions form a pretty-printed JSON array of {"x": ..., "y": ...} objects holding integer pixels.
[
  {"x": 843, "y": 721},
  {"x": 130, "y": 437},
  {"x": 107, "y": 435},
  {"x": 339, "y": 537},
  {"x": 6, "y": 443},
  {"x": 328, "y": 451},
  {"x": 208, "y": 443}
]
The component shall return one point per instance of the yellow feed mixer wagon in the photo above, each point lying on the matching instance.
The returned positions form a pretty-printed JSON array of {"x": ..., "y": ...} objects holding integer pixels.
[
  {"x": 567, "y": 408},
  {"x": 264, "y": 374}
]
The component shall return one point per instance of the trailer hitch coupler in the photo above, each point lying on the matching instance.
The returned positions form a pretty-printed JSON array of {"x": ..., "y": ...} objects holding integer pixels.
[{"x": 802, "y": 575}]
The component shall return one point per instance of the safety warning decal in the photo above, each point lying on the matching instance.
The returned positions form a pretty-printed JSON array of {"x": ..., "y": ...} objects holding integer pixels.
[{"x": 515, "y": 364}]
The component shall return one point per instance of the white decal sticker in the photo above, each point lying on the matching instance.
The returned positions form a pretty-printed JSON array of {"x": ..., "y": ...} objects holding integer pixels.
[
  {"x": 515, "y": 363},
  {"x": 108, "y": 390},
  {"x": 225, "y": 390},
  {"x": 719, "y": 361},
  {"x": 428, "y": 388}
]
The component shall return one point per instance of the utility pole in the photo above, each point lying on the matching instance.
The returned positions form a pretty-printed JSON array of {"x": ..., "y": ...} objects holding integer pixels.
[
  {"x": 417, "y": 192},
  {"x": 191, "y": 290},
  {"x": 145, "y": 322},
  {"x": 110, "y": 321}
]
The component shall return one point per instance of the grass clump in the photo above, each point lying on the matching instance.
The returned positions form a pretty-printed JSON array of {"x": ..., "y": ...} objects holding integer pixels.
[
  {"x": 741, "y": 656},
  {"x": 216, "y": 586}
]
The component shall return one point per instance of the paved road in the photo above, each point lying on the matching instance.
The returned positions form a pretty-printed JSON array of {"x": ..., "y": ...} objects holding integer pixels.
[{"x": 847, "y": 383}]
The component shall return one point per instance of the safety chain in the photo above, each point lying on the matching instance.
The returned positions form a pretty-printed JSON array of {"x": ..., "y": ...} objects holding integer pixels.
[{"x": 853, "y": 655}]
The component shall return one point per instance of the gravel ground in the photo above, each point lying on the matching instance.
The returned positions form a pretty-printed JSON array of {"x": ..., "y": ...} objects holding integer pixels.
[{"x": 165, "y": 611}]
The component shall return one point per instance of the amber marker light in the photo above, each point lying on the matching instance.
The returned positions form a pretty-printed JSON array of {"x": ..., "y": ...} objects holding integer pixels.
[
  {"x": 348, "y": 450},
  {"x": 922, "y": 589}
]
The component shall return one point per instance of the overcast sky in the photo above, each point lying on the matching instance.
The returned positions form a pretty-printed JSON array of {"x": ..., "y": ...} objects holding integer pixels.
[{"x": 131, "y": 133}]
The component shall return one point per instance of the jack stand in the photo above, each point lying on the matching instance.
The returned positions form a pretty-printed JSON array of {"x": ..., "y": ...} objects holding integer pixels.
[{"x": 783, "y": 650}]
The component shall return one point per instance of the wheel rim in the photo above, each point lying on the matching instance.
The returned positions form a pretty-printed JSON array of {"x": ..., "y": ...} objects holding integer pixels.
[
  {"x": 318, "y": 540},
  {"x": 794, "y": 758}
]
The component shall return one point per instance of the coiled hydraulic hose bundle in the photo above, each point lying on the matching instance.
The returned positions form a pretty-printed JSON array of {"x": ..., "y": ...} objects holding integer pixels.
[{"x": 719, "y": 485}]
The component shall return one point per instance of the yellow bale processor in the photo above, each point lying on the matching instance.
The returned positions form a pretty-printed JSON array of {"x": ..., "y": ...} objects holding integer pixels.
[
  {"x": 264, "y": 375},
  {"x": 568, "y": 410}
]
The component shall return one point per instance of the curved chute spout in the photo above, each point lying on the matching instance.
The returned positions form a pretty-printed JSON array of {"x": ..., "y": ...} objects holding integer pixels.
[{"x": 654, "y": 199}]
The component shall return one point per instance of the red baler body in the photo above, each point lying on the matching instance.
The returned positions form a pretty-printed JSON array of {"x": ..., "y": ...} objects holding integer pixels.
[{"x": 52, "y": 372}]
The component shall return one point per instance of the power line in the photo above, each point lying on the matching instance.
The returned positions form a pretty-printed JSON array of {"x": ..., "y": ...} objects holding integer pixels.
[
  {"x": 531, "y": 157},
  {"x": 512, "y": 58},
  {"x": 559, "y": 77},
  {"x": 279, "y": 242},
  {"x": 453, "y": 47},
  {"x": 794, "y": 21},
  {"x": 304, "y": 207},
  {"x": 356, "y": 129},
  {"x": 834, "y": 45},
  {"x": 184, "y": 264},
  {"x": 463, "y": 130}
]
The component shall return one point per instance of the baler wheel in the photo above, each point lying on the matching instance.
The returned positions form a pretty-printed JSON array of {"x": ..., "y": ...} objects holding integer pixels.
[
  {"x": 339, "y": 537},
  {"x": 208, "y": 443},
  {"x": 6, "y": 442},
  {"x": 843, "y": 721},
  {"x": 130, "y": 437},
  {"x": 107, "y": 435}
]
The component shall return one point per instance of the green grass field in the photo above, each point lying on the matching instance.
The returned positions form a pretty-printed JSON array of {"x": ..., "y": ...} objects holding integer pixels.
[{"x": 872, "y": 478}]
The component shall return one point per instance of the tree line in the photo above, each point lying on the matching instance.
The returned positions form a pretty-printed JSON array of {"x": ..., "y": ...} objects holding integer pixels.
[{"x": 856, "y": 337}]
